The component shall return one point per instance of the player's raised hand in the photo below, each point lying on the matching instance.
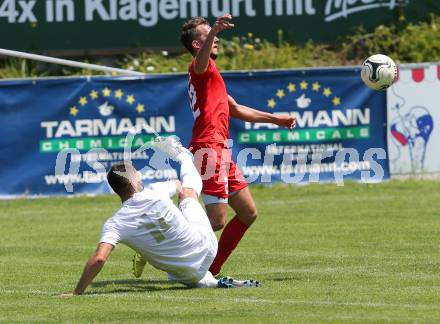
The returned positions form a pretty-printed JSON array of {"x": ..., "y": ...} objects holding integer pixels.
[
  {"x": 287, "y": 121},
  {"x": 222, "y": 23}
]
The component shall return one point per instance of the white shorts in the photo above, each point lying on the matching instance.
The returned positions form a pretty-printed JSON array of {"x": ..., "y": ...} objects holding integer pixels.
[
  {"x": 196, "y": 216},
  {"x": 209, "y": 200}
]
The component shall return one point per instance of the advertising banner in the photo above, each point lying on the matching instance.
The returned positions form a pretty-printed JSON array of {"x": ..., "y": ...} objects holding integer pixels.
[
  {"x": 87, "y": 120},
  {"x": 61, "y": 135},
  {"x": 340, "y": 132},
  {"x": 414, "y": 120},
  {"x": 98, "y": 26}
]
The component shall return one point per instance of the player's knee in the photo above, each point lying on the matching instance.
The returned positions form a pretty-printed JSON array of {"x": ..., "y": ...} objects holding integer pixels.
[
  {"x": 252, "y": 214},
  {"x": 218, "y": 221},
  {"x": 217, "y": 225},
  {"x": 248, "y": 215}
]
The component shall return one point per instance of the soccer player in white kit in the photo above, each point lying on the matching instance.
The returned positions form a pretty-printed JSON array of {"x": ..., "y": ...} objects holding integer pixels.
[{"x": 179, "y": 241}]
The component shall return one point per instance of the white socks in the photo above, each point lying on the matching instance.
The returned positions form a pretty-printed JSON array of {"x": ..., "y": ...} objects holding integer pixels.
[
  {"x": 208, "y": 281},
  {"x": 189, "y": 176}
]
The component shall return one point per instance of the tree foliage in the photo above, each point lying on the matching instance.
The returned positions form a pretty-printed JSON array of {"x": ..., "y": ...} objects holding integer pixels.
[{"x": 404, "y": 42}]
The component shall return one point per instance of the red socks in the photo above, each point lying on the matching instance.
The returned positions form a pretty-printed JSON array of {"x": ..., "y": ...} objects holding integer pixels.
[{"x": 232, "y": 234}]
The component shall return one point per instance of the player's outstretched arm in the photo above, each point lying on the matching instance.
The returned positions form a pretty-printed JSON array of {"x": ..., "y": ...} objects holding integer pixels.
[
  {"x": 202, "y": 57},
  {"x": 255, "y": 116},
  {"x": 93, "y": 267}
]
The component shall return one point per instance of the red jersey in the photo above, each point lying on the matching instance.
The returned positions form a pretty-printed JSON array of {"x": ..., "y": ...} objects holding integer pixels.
[{"x": 209, "y": 103}]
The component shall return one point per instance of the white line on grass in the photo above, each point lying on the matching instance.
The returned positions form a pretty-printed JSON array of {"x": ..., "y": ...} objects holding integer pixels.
[
  {"x": 276, "y": 301},
  {"x": 328, "y": 198},
  {"x": 28, "y": 291},
  {"x": 354, "y": 271},
  {"x": 235, "y": 300}
]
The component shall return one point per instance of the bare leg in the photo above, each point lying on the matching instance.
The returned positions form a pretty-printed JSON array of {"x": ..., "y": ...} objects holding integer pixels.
[
  {"x": 217, "y": 214},
  {"x": 244, "y": 206},
  {"x": 246, "y": 213}
]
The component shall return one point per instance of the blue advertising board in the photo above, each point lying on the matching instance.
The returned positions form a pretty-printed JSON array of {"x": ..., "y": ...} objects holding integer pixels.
[
  {"x": 340, "y": 133},
  {"x": 60, "y": 135}
]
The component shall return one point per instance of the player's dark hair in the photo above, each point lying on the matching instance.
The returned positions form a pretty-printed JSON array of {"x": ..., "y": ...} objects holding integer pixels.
[
  {"x": 119, "y": 178},
  {"x": 189, "y": 32}
]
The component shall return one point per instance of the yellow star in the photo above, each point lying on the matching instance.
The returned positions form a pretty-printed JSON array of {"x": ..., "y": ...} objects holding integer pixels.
[
  {"x": 106, "y": 92},
  {"x": 280, "y": 93},
  {"x": 291, "y": 87},
  {"x": 304, "y": 85},
  {"x": 271, "y": 103},
  {"x": 327, "y": 92},
  {"x": 94, "y": 94},
  {"x": 119, "y": 94},
  {"x": 74, "y": 111},
  {"x": 130, "y": 99},
  {"x": 83, "y": 101},
  {"x": 336, "y": 101},
  {"x": 140, "y": 108},
  {"x": 316, "y": 86}
]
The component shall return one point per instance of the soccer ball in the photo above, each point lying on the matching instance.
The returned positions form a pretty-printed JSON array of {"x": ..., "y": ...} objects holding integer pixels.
[{"x": 379, "y": 72}]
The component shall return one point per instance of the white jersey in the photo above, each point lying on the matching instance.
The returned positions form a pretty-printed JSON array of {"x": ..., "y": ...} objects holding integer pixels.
[{"x": 168, "y": 239}]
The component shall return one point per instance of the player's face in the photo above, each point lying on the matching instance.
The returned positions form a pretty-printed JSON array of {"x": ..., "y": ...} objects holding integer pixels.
[{"x": 203, "y": 31}]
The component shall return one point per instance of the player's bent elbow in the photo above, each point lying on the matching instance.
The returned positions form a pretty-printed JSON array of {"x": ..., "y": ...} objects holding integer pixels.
[{"x": 200, "y": 69}]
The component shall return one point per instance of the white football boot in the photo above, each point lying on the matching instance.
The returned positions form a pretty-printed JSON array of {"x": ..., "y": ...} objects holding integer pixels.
[{"x": 171, "y": 146}]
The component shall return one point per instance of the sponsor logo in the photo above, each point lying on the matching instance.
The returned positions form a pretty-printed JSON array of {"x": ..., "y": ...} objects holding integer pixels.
[
  {"x": 336, "y": 9},
  {"x": 319, "y": 117},
  {"x": 110, "y": 127}
]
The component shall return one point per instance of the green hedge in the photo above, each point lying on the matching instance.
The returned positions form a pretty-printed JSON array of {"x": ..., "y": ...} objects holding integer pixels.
[{"x": 404, "y": 42}]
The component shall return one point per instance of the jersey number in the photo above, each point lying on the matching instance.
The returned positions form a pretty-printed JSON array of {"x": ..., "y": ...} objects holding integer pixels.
[
  {"x": 156, "y": 230},
  {"x": 193, "y": 99}
]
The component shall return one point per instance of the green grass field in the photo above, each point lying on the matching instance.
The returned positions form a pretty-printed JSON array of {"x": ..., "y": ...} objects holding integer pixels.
[{"x": 358, "y": 253}]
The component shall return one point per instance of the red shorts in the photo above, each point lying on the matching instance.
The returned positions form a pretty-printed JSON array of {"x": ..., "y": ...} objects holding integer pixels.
[{"x": 219, "y": 173}]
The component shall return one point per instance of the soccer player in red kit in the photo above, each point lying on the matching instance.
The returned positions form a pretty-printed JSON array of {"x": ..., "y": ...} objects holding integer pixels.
[{"x": 211, "y": 107}]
